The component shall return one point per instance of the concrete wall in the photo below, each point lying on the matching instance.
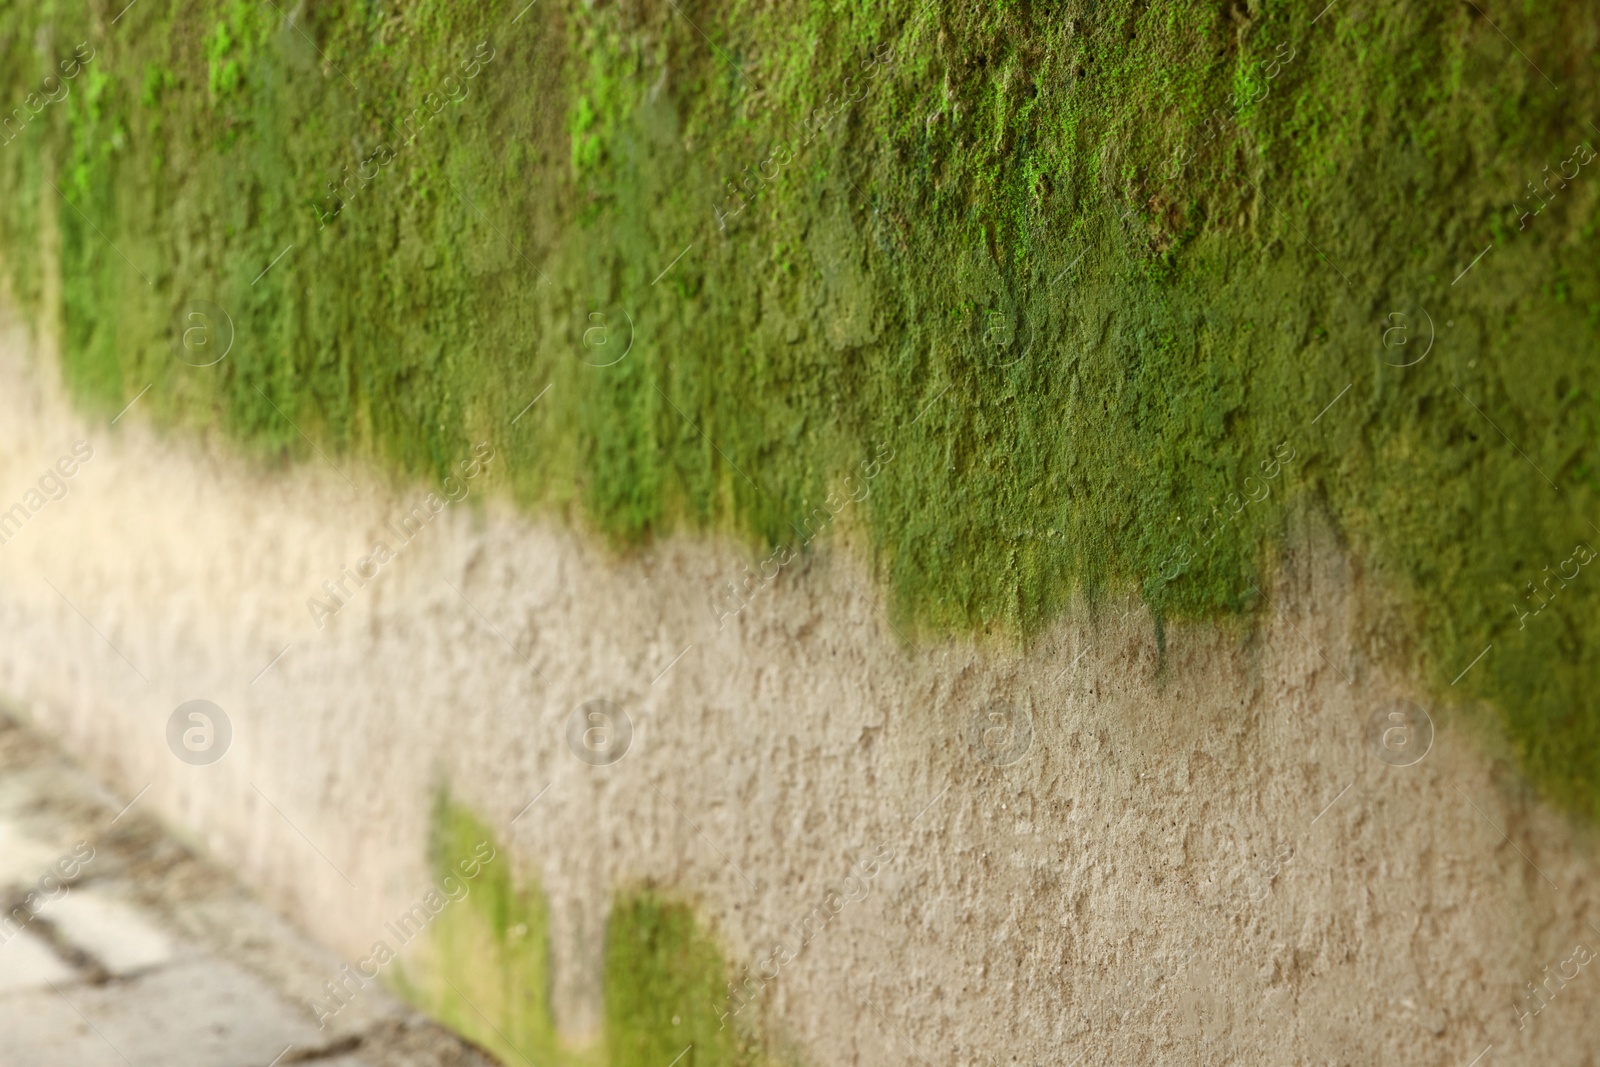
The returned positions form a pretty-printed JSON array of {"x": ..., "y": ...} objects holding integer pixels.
[{"x": 1189, "y": 855}]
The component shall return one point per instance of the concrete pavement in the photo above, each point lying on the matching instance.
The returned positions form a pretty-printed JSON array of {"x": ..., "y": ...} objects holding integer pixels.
[{"x": 119, "y": 947}]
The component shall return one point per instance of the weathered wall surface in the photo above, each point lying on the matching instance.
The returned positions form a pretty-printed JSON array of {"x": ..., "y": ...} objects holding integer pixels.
[
  {"x": 1197, "y": 858},
  {"x": 1092, "y": 268}
]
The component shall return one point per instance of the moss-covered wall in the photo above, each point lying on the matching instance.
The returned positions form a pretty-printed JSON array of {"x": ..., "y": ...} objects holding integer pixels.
[
  {"x": 1090, "y": 272},
  {"x": 485, "y": 969}
]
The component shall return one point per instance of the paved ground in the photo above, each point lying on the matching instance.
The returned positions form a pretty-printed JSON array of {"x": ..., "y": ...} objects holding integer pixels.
[{"x": 121, "y": 947}]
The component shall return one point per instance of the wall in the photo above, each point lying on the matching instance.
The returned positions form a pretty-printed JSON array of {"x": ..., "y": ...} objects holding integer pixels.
[{"x": 1197, "y": 856}]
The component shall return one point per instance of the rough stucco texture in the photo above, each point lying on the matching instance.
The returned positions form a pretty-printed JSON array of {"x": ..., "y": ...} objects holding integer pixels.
[{"x": 1196, "y": 859}]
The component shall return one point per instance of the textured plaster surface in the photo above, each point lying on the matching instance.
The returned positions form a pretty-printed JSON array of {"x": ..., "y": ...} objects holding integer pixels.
[{"x": 1196, "y": 859}]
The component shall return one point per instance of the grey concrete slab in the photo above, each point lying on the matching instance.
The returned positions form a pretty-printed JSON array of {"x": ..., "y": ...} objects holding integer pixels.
[
  {"x": 41, "y": 1029},
  {"x": 159, "y": 957},
  {"x": 203, "y": 1013},
  {"x": 24, "y": 859},
  {"x": 115, "y": 934},
  {"x": 28, "y": 963}
]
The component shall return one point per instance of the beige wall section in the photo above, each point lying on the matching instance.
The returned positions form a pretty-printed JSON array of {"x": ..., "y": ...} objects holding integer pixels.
[{"x": 1072, "y": 907}]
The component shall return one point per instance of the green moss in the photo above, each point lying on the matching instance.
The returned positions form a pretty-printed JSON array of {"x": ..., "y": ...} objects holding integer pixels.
[
  {"x": 667, "y": 989},
  {"x": 486, "y": 971},
  {"x": 1033, "y": 178}
]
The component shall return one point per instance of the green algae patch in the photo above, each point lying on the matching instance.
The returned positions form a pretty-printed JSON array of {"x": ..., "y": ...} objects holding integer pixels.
[
  {"x": 667, "y": 989},
  {"x": 1118, "y": 287},
  {"x": 486, "y": 972},
  {"x": 485, "y": 967}
]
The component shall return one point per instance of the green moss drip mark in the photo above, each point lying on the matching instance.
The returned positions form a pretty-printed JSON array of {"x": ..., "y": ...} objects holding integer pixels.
[
  {"x": 486, "y": 966},
  {"x": 1191, "y": 220},
  {"x": 667, "y": 990},
  {"x": 486, "y": 974}
]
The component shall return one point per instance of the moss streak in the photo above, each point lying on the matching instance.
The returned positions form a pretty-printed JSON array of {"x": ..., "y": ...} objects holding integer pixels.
[{"x": 487, "y": 972}]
